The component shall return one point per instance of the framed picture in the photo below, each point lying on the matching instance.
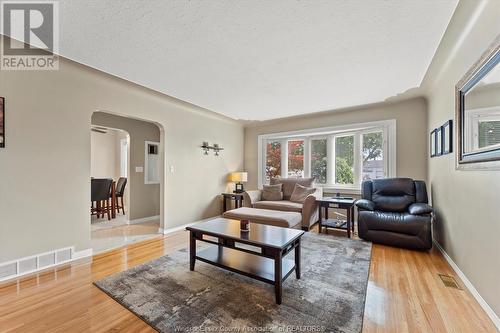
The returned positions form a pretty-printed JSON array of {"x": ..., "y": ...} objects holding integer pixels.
[
  {"x": 447, "y": 131},
  {"x": 433, "y": 143},
  {"x": 439, "y": 141},
  {"x": 2, "y": 122}
]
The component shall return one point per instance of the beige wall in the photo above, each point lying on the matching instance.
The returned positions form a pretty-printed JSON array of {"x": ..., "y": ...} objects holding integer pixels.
[
  {"x": 411, "y": 133},
  {"x": 467, "y": 218},
  {"x": 105, "y": 155},
  {"x": 45, "y": 168},
  {"x": 144, "y": 199}
]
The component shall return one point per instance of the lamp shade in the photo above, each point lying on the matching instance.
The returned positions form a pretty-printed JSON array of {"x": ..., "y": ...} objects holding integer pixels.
[{"x": 238, "y": 176}]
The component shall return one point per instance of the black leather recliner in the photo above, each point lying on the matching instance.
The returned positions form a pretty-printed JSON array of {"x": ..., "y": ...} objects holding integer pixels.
[{"x": 394, "y": 211}]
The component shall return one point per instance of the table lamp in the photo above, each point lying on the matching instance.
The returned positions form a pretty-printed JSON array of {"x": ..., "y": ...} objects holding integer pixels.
[{"x": 238, "y": 178}]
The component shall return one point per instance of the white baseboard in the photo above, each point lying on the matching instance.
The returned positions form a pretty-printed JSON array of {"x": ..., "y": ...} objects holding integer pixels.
[
  {"x": 144, "y": 219},
  {"x": 184, "y": 226},
  {"x": 489, "y": 311},
  {"x": 82, "y": 254}
]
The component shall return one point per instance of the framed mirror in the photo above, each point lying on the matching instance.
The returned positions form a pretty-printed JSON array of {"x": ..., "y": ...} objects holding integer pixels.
[{"x": 478, "y": 111}]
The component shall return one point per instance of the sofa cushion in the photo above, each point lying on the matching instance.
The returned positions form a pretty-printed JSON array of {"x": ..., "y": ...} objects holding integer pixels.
[
  {"x": 289, "y": 184},
  {"x": 266, "y": 216},
  {"x": 300, "y": 193},
  {"x": 272, "y": 192},
  {"x": 282, "y": 205}
]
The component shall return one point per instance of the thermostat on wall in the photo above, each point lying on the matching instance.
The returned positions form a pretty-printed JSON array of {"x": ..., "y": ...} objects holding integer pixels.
[{"x": 139, "y": 169}]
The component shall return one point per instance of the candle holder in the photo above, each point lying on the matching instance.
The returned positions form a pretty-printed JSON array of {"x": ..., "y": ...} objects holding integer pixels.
[{"x": 245, "y": 225}]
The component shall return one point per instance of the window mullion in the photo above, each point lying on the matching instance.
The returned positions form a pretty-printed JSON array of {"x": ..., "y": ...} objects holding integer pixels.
[
  {"x": 307, "y": 157},
  {"x": 357, "y": 159},
  {"x": 386, "y": 153},
  {"x": 331, "y": 160},
  {"x": 284, "y": 158}
]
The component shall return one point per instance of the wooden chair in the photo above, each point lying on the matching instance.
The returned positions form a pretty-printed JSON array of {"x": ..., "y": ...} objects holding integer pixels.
[
  {"x": 120, "y": 191},
  {"x": 100, "y": 195}
]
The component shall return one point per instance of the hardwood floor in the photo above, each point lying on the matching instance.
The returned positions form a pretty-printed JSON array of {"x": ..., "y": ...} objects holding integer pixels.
[{"x": 404, "y": 294}]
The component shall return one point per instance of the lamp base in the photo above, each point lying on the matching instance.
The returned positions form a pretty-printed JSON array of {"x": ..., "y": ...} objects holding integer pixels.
[{"x": 238, "y": 188}]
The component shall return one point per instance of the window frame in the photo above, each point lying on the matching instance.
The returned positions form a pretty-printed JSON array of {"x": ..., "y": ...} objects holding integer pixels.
[{"x": 387, "y": 127}]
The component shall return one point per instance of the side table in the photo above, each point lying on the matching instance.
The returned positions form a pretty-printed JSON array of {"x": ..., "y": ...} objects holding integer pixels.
[
  {"x": 237, "y": 197},
  {"x": 332, "y": 202}
]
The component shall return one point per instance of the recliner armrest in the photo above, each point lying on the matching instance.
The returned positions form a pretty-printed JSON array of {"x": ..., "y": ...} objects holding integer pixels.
[
  {"x": 364, "y": 204},
  {"x": 420, "y": 209}
]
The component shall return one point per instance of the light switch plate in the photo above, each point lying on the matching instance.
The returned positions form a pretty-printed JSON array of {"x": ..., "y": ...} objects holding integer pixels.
[
  {"x": 172, "y": 169},
  {"x": 139, "y": 169}
]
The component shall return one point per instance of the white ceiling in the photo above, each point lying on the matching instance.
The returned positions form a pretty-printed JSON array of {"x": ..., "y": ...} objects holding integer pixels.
[{"x": 259, "y": 59}]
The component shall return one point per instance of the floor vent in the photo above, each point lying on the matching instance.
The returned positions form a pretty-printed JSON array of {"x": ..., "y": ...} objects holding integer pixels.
[
  {"x": 16, "y": 268},
  {"x": 449, "y": 281}
]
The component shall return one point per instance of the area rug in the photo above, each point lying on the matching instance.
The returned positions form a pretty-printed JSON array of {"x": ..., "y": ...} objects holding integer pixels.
[{"x": 329, "y": 297}]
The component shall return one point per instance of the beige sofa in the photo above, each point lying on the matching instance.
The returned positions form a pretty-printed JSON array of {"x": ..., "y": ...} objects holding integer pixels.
[{"x": 308, "y": 209}]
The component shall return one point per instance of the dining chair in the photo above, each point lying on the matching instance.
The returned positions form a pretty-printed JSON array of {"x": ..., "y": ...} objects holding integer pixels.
[
  {"x": 100, "y": 195},
  {"x": 120, "y": 192}
]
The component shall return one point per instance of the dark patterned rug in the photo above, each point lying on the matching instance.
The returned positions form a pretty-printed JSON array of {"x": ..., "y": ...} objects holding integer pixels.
[{"x": 329, "y": 297}]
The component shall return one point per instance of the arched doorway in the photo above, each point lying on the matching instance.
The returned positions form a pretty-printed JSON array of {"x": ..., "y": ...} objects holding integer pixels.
[{"x": 138, "y": 157}]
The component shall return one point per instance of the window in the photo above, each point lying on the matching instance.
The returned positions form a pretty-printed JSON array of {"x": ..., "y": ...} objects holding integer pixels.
[
  {"x": 373, "y": 156},
  {"x": 344, "y": 160},
  {"x": 337, "y": 157},
  {"x": 319, "y": 160},
  {"x": 273, "y": 159},
  {"x": 488, "y": 133},
  {"x": 295, "y": 158}
]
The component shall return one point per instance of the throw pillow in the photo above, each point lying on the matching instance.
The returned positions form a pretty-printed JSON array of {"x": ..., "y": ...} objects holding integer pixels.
[
  {"x": 272, "y": 192},
  {"x": 289, "y": 184},
  {"x": 300, "y": 193}
]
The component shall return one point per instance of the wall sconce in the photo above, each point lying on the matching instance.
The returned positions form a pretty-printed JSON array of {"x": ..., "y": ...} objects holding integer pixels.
[{"x": 206, "y": 148}]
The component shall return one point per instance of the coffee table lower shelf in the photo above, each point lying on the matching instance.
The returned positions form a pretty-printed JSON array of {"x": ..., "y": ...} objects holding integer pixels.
[{"x": 251, "y": 265}]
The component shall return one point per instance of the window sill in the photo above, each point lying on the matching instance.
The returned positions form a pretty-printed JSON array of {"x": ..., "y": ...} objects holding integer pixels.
[{"x": 342, "y": 190}]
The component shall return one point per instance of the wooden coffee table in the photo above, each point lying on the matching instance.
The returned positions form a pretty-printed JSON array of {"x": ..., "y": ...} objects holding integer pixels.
[{"x": 259, "y": 253}]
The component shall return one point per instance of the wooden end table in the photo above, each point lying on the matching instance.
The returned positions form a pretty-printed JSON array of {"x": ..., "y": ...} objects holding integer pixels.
[
  {"x": 237, "y": 197},
  {"x": 332, "y": 202},
  {"x": 259, "y": 253}
]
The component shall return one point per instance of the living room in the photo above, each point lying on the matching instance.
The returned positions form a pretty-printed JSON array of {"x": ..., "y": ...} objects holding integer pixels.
[{"x": 372, "y": 116}]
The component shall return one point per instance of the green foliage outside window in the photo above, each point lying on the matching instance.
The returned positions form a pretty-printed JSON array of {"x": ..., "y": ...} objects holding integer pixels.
[
  {"x": 319, "y": 160},
  {"x": 344, "y": 172},
  {"x": 372, "y": 146},
  {"x": 344, "y": 163}
]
